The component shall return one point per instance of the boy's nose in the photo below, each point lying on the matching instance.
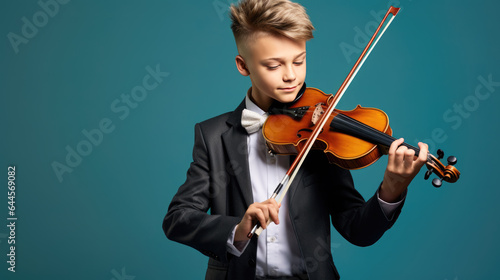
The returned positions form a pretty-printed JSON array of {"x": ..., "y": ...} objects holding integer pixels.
[{"x": 289, "y": 74}]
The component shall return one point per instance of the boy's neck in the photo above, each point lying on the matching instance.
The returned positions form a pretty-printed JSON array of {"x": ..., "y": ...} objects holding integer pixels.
[{"x": 262, "y": 104}]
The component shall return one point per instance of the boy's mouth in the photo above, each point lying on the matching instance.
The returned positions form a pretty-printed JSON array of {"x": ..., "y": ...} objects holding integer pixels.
[{"x": 288, "y": 89}]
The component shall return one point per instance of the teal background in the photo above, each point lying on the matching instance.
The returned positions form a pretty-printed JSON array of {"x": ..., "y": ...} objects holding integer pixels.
[{"x": 103, "y": 220}]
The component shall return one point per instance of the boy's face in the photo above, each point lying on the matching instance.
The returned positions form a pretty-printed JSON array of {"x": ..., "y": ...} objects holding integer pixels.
[{"x": 276, "y": 66}]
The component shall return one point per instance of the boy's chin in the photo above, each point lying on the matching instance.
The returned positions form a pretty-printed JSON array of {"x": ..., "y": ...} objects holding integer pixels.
[{"x": 287, "y": 98}]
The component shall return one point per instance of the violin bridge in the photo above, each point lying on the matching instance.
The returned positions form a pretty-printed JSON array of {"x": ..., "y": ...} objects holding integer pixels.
[{"x": 318, "y": 111}]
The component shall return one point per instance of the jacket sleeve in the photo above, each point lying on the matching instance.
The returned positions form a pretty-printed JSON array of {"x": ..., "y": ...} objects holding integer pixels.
[
  {"x": 360, "y": 222},
  {"x": 187, "y": 220}
]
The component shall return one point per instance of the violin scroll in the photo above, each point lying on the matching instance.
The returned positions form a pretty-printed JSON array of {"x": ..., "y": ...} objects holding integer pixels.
[{"x": 447, "y": 173}]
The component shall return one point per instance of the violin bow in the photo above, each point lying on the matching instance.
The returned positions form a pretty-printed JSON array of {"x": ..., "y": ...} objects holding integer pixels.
[{"x": 297, "y": 163}]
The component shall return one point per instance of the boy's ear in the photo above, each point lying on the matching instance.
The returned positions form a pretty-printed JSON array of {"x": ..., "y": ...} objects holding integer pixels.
[{"x": 241, "y": 65}]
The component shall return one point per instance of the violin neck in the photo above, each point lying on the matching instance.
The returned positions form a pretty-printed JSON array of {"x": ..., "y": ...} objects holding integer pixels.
[{"x": 347, "y": 125}]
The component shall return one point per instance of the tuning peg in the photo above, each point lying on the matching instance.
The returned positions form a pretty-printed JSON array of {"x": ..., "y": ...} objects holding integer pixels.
[
  {"x": 452, "y": 160},
  {"x": 440, "y": 153},
  {"x": 436, "y": 182},
  {"x": 427, "y": 174}
]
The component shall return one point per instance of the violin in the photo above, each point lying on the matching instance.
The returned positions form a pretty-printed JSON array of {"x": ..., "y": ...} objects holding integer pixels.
[{"x": 350, "y": 139}]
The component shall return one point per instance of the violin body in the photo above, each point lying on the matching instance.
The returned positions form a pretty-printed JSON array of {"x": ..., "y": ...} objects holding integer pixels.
[{"x": 287, "y": 134}]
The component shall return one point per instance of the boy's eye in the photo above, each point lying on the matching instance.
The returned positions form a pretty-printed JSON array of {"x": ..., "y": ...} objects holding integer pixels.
[
  {"x": 272, "y": 67},
  {"x": 298, "y": 62}
]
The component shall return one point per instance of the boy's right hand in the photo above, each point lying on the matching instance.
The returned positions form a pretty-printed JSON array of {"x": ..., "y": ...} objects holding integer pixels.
[{"x": 257, "y": 212}]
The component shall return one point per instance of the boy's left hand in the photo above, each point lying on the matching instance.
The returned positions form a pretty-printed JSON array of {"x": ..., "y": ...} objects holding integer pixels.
[{"x": 402, "y": 166}]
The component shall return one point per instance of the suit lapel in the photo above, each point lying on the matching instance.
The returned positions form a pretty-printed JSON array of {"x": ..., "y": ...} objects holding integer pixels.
[{"x": 235, "y": 143}]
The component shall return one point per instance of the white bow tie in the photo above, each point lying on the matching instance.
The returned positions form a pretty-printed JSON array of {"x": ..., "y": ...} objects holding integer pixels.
[{"x": 252, "y": 121}]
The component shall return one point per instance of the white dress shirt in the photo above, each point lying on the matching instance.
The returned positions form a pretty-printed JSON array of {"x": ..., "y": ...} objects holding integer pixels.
[{"x": 278, "y": 252}]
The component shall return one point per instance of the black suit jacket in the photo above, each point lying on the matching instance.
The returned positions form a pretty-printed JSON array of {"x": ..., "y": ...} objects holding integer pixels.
[{"x": 218, "y": 181}]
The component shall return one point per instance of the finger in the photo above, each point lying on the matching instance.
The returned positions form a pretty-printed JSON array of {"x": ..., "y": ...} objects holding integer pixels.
[
  {"x": 395, "y": 144},
  {"x": 261, "y": 215},
  {"x": 424, "y": 151},
  {"x": 257, "y": 213},
  {"x": 274, "y": 215},
  {"x": 273, "y": 202},
  {"x": 273, "y": 209},
  {"x": 399, "y": 157},
  {"x": 392, "y": 161},
  {"x": 409, "y": 157}
]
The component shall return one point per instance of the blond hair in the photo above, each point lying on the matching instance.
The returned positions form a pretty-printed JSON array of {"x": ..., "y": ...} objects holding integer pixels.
[{"x": 278, "y": 17}]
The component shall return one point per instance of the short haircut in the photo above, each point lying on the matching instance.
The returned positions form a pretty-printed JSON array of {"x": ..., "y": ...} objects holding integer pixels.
[{"x": 278, "y": 17}]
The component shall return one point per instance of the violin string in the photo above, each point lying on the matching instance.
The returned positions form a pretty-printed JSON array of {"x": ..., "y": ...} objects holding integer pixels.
[{"x": 363, "y": 131}]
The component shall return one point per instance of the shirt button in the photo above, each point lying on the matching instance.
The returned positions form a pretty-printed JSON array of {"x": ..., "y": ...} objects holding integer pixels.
[{"x": 272, "y": 239}]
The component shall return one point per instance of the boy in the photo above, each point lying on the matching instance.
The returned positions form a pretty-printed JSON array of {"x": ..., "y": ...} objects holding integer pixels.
[{"x": 232, "y": 175}]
